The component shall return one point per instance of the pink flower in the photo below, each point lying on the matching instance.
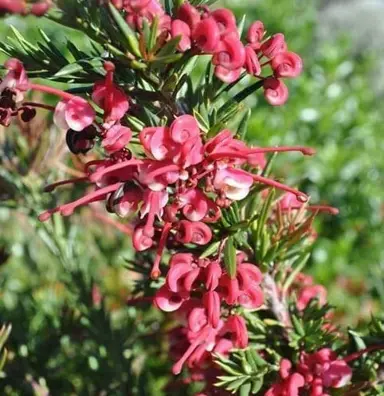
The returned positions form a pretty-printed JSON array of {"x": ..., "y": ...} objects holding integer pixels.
[
  {"x": 16, "y": 79},
  {"x": 189, "y": 14},
  {"x": 289, "y": 384},
  {"x": 275, "y": 91},
  {"x": 14, "y": 6},
  {"x": 168, "y": 301},
  {"x": 225, "y": 20},
  {"x": 274, "y": 46},
  {"x": 309, "y": 293},
  {"x": 206, "y": 35},
  {"x": 255, "y": 34},
  {"x": 75, "y": 114},
  {"x": 180, "y": 28},
  {"x": 40, "y": 8},
  {"x": 184, "y": 128},
  {"x": 226, "y": 75},
  {"x": 252, "y": 64},
  {"x": 244, "y": 289},
  {"x": 211, "y": 301},
  {"x": 153, "y": 205},
  {"x": 116, "y": 138},
  {"x": 233, "y": 183},
  {"x": 193, "y": 232},
  {"x": 230, "y": 54},
  {"x": 287, "y": 65},
  {"x": 323, "y": 369},
  {"x": 140, "y": 240},
  {"x": 109, "y": 97},
  {"x": 235, "y": 325}
]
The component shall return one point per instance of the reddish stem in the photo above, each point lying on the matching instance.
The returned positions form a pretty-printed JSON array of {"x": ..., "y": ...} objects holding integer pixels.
[{"x": 53, "y": 91}]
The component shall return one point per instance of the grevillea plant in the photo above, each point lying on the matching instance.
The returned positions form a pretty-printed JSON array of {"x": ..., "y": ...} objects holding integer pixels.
[{"x": 157, "y": 103}]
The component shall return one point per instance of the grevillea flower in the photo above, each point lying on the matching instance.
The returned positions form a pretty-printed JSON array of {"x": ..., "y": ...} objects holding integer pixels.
[
  {"x": 252, "y": 64},
  {"x": 289, "y": 384},
  {"x": 76, "y": 114},
  {"x": 180, "y": 28},
  {"x": 322, "y": 370},
  {"x": 233, "y": 183},
  {"x": 309, "y": 293},
  {"x": 13, "y": 6},
  {"x": 287, "y": 65},
  {"x": 206, "y": 35},
  {"x": 244, "y": 289},
  {"x": 275, "y": 91},
  {"x": 255, "y": 34},
  {"x": 189, "y": 14},
  {"x": 109, "y": 97},
  {"x": 273, "y": 46},
  {"x": 16, "y": 79},
  {"x": 225, "y": 20},
  {"x": 193, "y": 232},
  {"x": 116, "y": 138}
]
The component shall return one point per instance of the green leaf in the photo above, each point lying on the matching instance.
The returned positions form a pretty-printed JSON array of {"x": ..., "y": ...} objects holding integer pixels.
[
  {"x": 242, "y": 130},
  {"x": 245, "y": 389},
  {"x": 257, "y": 385},
  {"x": 230, "y": 257},
  {"x": 131, "y": 40},
  {"x": 211, "y": 249},
  {"x": 169, "y": 48}
]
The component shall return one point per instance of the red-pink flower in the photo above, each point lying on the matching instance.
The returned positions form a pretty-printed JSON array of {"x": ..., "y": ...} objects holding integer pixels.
[
  {"x": 14, "y": 6},
  {"x": 189, "y": 14},
  {"x": 309, "y": 293},
  {"x": 193, "y": 232},
  {"x": 287, "y": 65},
  {"x": 180, "y": 28},
  {"x": 225, "y": 20},
  {"x": 274, "y": 46},
  {"x": 206, "y": 35},
  {"x": 15, "y": 80},
  {"x": 116, "y": 138},
  {"x": 289, "y": 384},
  {"x": 255, "y": 34},
  {"x": 230, "y": 54},
  {"x": 233, "y": 183},
  {"x": 252, "y": 64},
  {"x": 75, "y": 114},
  {"x": 109, "y": 97},
  {"x": 275, "y": 91}
]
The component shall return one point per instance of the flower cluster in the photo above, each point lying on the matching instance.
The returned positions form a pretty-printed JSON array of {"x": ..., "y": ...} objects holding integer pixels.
[
  {"x": 190, "y": 187},
  {"x": 203, "y": 31},
  {"x": 316, "y": 372},
  {"x": 198, "y": 288},
  {"x": 38, "y": 8}
]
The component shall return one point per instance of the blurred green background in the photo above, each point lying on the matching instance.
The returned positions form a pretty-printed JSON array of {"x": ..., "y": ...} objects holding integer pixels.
[{"x": 48, "y": 272}]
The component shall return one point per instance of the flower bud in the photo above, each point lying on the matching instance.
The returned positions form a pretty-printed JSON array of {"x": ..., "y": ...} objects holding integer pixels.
[
  {"x": 275, "y": 91},
  {"x": 207, "y": 35},
  {"x": 255, "y": 34},
  {"x": 140, "y": 241},
  {"x": 180, "y": 28},
  {"x": 274, "y": 46},
  {"x": 287, "y": 64}
]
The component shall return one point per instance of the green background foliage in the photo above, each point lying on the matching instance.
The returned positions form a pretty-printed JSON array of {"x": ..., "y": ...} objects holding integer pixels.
[{"x": 64, "y": 341}]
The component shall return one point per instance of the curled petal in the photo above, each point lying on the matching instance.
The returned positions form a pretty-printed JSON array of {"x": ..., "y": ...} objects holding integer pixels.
[
  {"x": 229, "y": 289},
  {"x": 255, "y": 34},
  {"x": 116, "y": 138},
  {"x": 251, "y": 298},
  {"x": 275, "y": 91},
  {"x": 75, "y": 114},
  {"x": 190, "y": 279},
  {"x": 338, "y": 375},
  {"x": 212, "y": 275},
  {"x": 211, "y": 301},
  {"x": 189, "y": 14},
  {"x": 176, "y": 275},
  {"x": 181, "y": 258},
  {"x": 248, "y": 274},
  {"x": 225, "y": 20},
  {"x": 236, "y": 325},
  {"x": 207, "y": 35},
  {"x": 168, "y": 301},
  {"x": 194, "y": 232},
  {"x": 184, "y": 128},
  {"x": 287, "y": 65},
  {"x": 140, "y": 241},
  {"x": 234, "y": 183},
  {"x": 125, "y": 203},
  {"x": 197, "y": 319},
  {"x": 226, "y": 75},
  {"x": 274, "y": 46},
  {"x": 180, "y": 28},
  {"x": 252, "y": 64},
  {"x": 231, "y": 54}
]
